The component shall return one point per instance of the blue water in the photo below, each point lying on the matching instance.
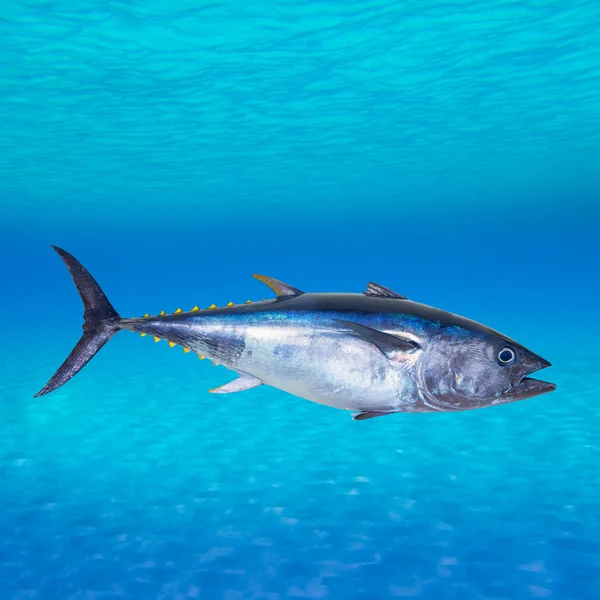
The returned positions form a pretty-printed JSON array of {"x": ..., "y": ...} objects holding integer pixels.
[{"x": 446, "y": 150}]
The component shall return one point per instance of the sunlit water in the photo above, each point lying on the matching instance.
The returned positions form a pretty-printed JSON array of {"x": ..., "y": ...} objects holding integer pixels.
[{"x": 447, "y": 150}]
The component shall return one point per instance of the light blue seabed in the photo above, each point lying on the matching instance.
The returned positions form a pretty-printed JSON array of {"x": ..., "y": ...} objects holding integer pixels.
[
  {"x": 134, "y": 482},
  {"x": 445, "y": 149}
]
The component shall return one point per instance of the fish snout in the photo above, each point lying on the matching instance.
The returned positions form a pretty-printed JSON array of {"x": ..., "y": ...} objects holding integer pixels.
[
  {"x": 530, "y": 363},
  {"x": 527, "y": 387}
]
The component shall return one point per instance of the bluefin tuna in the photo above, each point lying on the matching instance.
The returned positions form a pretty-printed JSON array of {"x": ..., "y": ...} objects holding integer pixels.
[{"x": 375, "y": 353}]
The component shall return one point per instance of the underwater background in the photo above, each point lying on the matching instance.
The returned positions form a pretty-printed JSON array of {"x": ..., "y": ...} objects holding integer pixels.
[{"x": 448, "y": 150}]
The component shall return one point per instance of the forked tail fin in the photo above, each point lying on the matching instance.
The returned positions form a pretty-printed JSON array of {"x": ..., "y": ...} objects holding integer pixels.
[{"x": 100, "y": 324}]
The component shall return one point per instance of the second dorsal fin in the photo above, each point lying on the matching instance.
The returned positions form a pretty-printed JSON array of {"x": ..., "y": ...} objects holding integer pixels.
[
  {"x": 374, "y": 289},
  {"x": 280, "y": 288}
]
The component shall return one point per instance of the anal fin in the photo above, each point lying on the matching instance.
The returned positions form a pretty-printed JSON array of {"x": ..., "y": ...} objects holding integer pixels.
[
  {"x": 243, "y": 382},
  {"x": 369, "y": 414}
]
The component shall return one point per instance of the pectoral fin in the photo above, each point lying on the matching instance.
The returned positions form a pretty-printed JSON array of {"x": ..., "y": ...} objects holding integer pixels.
[
  {"x": 389, "y": 344},
  {"x": 243, "y": 382},
  {"x": 370, "y": 414}
]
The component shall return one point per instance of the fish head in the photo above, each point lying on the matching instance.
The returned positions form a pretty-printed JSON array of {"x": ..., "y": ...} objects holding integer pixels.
[{"x": 472, "y": 369}]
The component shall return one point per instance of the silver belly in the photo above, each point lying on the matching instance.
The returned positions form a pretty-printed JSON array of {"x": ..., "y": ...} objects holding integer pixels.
[{"x": 330, "y": 368}]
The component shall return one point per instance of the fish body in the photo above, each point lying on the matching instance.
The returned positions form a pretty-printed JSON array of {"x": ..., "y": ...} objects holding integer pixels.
[
  {"x": 296, "y": 345},
  {"x": 375, "y": 353}
]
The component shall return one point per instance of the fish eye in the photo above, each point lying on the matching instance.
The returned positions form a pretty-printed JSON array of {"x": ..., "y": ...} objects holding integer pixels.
[{"x": 506, "y": 356}]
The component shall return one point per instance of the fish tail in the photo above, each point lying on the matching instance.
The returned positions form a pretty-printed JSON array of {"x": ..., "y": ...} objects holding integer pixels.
[{"x": 101, "y": 323}]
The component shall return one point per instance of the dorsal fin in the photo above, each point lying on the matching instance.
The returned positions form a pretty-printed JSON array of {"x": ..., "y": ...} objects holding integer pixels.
[
  {"x": 280, "y": 288},
  {"x": 374, "y": 289}
]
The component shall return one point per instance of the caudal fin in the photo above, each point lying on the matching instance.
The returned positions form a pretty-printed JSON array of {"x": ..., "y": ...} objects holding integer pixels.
[{"x": 99, "y": 326}]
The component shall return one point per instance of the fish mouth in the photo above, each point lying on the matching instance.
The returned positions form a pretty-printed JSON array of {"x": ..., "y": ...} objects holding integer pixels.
[{"x": 528, "y": 387}]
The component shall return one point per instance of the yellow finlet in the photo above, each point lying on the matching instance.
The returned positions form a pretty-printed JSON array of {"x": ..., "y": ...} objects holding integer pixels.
[
  {"x": 177, "y": 311},
  {"x": 156, "y": 339},
  {"x": 213, "y": 306},
  {"x": 186, "y": 350},
  {"x": 195, "y": 309},
  {"x": 143, "y": 334},
  {"x": 162, "y": 312},
  {"x": 230, "y": 304},
  {"x": 248, "y": 301},
  {"x": 200, "y": 357},
  {"x": 172, "y": 344},
  {"x": 146, "y": 315}
]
